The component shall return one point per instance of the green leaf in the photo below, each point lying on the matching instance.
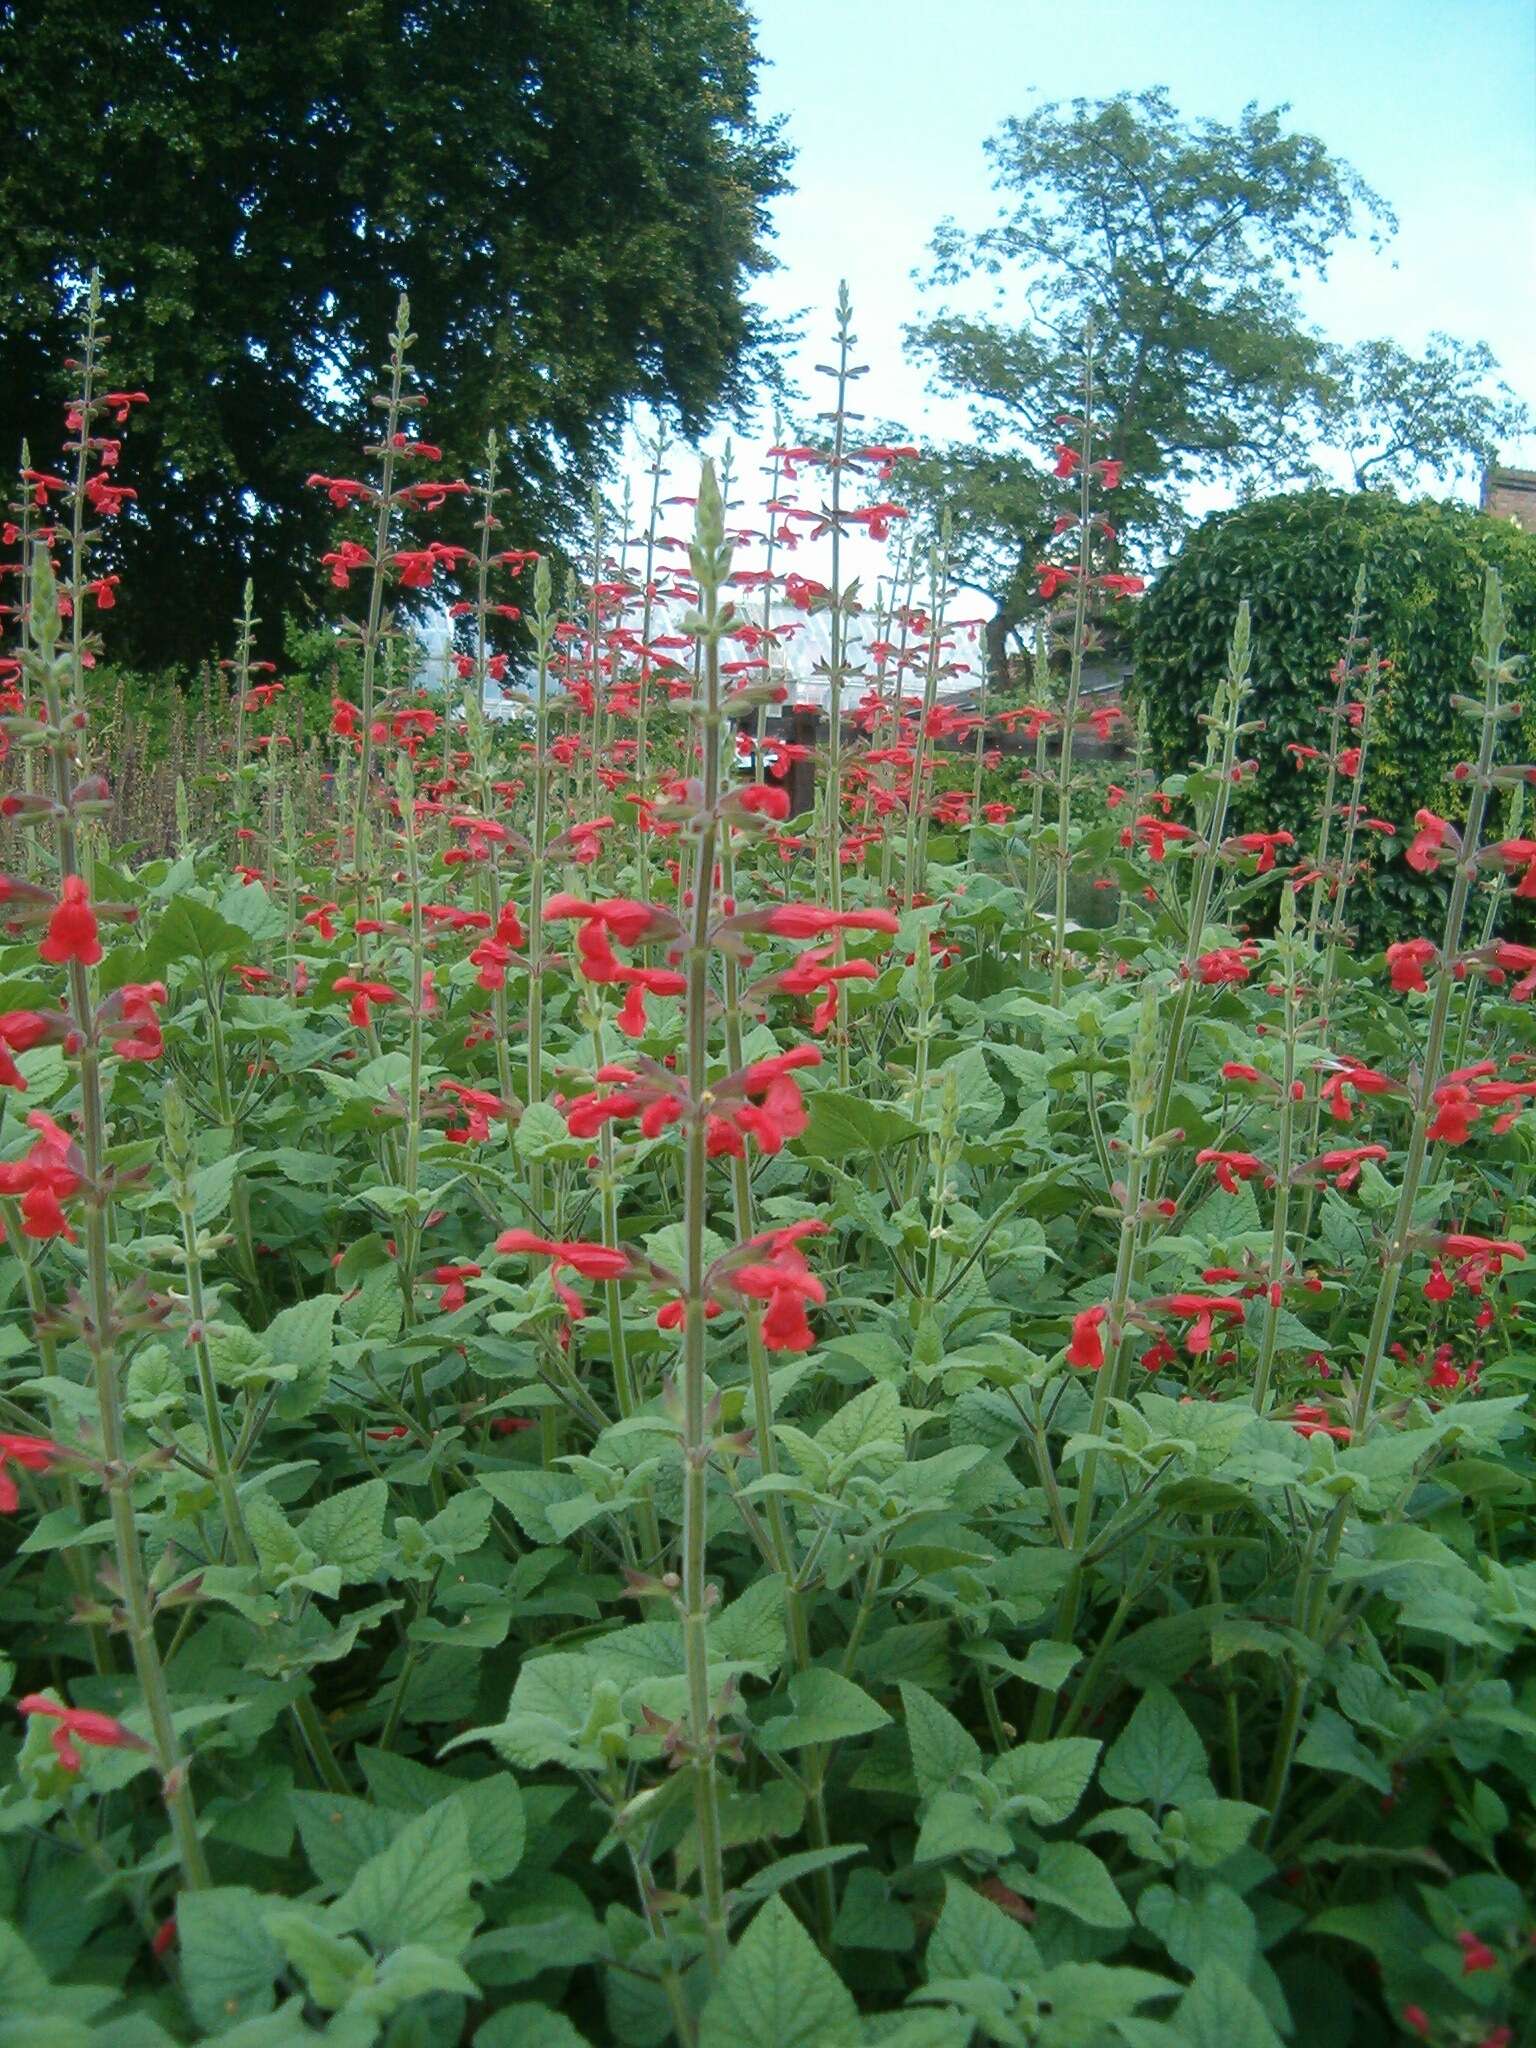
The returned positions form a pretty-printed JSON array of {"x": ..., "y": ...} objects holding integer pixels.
[
  {"x": 417, "y": 1890},
  {"x": 1158, "y": 1758},
  {"x": 1072, "y": 1877},
  {"x": 1048, "y": 1777},
  {"x": 1215, "y": 1829},
  {"x": 332, "y": 1965},
  {"x": 529, "y": 2026},
  {"x": 229, "y": 1961},
  {"x": 870, "y": 1420},
  {"x": 340, "y": 1834},
  {"x": 869, "y": 1917},
  {"x": 1219, "y": 2011},
  {"x": 941, "y": 1748},
  {"x": 301, "y": 1337},
  {"x": 493, "y": 1806},
  {"x": 778, "y": 1991},
  {"x": 975, "y": 1938},
  {"x": 840, "y": 1126},
  {"x": 347, "y": 1530},
  {"x": 827, "y": 1708},
  {"x": 1330, "y": 1744},
  {"x": 212, "y": 1187}
]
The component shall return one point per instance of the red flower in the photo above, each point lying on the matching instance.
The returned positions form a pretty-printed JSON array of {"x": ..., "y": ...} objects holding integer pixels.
[
  {"x": 1261, "y": 843},
  {"x": 1311, "y": 1419},
  {"x": 1201, "y": 1311},
  {"x": 592, "y": 1261},
  {"x": 1407, "y": 960},
  {"x": 1226, "y": 963},
  {"x": 72, "y": 932},
  {"x": 1067, "y": 460},
  {"x": 809, "y": 921},
  {"x": 785, "y": 1282},
  {"x": 127, "y": 1019},
  {"x": 1052, "y": 578},
  {"x": 1156, "y": 832},
  {"x": 96, "y": 1731},
  {"x": 32, "y": 1454},
  {"x": 44, "y": 1178},
  {"x": 1433, "y": 837},
  {"x": 363, "y": 994},
  {"x": 451, "y": 1280},
  {"x": 1231, "y": 1167},
  {"x": 1086, "y": 1350},
  {"x": 1343, "y": 1164},
  {"x": 1476, "y": 1955},
  {"x": 348, "y": 555},
  {"x": 629, "y": 921},
  {"x": 1349, "y": 1079}
]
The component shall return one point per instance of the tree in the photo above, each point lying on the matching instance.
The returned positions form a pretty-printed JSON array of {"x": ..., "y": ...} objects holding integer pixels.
[
  {"x": 1178, "y": 244},
  {"x": 573, "y": 192},
  {"x": 1395, "y": 415}
]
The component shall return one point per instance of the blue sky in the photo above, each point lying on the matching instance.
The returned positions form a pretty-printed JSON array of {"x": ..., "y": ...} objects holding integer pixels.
[{"x": 888, "y": 103}]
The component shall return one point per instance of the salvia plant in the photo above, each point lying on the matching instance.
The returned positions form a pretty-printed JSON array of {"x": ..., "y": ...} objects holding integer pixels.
[{"x": 636, "y": 1414}]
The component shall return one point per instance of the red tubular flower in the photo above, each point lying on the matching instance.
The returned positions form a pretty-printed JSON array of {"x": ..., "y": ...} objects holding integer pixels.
[
  {"x": 1226, "y": 964},
  {"x": 1343, "y": 1164},
  {"x": 1406, "y": 962},
  {"x": 128, "y": 1021},
  {"x": 1155, "y": 834},
  {"x": 363, "y": 994},
  {"x": 1434, "y": 836},
  {"x": 1201, "y": 1311},
  {"x": 1439, "y": 1286},
  {"x": 32, "y": 1454},
  {"x": 592, "y": 1261},
  {"x": 1476, "y": 1955},
  {"x": 1311, "y": 1419},
  {"x": 786, "y": 1283},
  {"x": 451, "y": 1279},
  {"x": 810, "y": 921},
  {"x": 72, "y": 932},
  {"x": 79, "y": 1724},
  {"x": 491, "y": 957},
  {"x": 815, "y": 970},
  {"x": 1350, "y": 1079},
  {"x": 45, "y": 1177},
  {"x": 1086, "y": 1350},
  {"x": 1231, "y": 1167},
  {"x": 1067, "y": 461},
  {"x": 627, "y": 920},
  {"x": 1261, "y": 843},
  {"x": 1053, "y": 578}
]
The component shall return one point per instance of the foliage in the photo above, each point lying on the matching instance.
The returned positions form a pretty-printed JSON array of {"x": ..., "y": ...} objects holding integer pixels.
[
  {"x": 575, "y": 194},
  {"x": 1394, "y": 414},
  {"x": 1178, "y": 243},
  {"x": 921, "y": 1477},
  {"x": 1295, "y": 560}
]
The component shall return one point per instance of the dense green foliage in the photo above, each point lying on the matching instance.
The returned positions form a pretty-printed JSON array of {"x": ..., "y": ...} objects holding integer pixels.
[
  {"x": 574, "y": 194},
  {"x": 1295, "y": 559}
]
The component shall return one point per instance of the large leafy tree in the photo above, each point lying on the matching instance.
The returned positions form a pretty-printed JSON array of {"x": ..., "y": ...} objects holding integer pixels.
[
  {"x": 573, "y": 192},
  {"x": 1179, "y": 245},
  {"x": 1394, "y": 415}
]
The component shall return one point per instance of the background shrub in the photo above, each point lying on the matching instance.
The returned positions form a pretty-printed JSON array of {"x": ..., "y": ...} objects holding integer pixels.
[{"x": 1296, "y": 558}]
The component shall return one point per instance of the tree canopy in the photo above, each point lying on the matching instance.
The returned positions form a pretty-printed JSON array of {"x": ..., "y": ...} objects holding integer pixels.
[
  {"x": 573, "y": 192},
  {"x": 1180, "y": 244}
]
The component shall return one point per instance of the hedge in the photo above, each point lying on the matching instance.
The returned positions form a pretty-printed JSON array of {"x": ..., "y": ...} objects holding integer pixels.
[{"x": 1296, "y": 559}]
